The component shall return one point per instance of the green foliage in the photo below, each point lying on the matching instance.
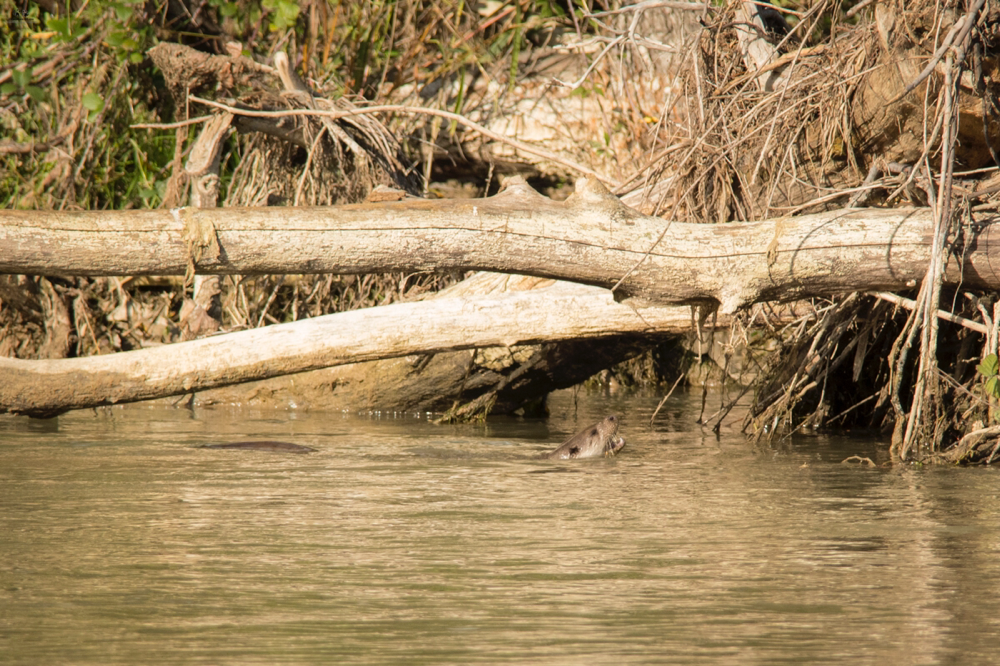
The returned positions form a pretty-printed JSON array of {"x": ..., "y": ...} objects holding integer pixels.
[
  {"x": 21, "y": 82},
  {"x": 85, "y": 72},
  {"x": 94, "y": 104},
  {"x": 283, "y": 13},
  {"x": 79, "y": 72},
  {"x": 988, "y": 369},
  {"x": 126, "y": 29}
]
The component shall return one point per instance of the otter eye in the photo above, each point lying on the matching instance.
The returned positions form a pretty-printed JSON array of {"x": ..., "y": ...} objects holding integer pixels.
[
  {"x": 574, "y": 451},
  {"x": 593, "y": 431},
  {"x": 612, "y": 418}
]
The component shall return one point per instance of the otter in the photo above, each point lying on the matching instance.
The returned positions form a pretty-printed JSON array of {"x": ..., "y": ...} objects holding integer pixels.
[
  {"x": 282, "y": 447},
  {"x": 600, "y": 439}
]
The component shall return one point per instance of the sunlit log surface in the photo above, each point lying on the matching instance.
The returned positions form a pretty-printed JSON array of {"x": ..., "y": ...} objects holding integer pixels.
[{"x": 591, "y": 238}]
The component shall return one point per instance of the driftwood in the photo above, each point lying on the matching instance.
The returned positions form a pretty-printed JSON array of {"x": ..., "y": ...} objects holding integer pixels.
[
  {"x": 563, "y": 311},
  {"x": 469, "y": 382},
  {"x": 592, "y": 238}
]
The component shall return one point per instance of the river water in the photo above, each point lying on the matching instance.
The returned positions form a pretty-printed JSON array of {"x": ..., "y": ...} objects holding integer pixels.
[{"x": 402, "y": 542}]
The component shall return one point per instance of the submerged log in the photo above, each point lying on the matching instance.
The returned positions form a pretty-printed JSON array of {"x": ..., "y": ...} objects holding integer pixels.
[
  {"x": 563, "y": 311},
  {"x": 592, "y": 238}
]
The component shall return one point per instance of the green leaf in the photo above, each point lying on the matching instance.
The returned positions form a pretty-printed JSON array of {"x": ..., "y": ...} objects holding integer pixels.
[
  {"x": 60, "y": 25},
  {"x": 136, "y": 58},
  {"x": 989, "y": 366},
  {"x": 8, "y": 88},
  {"x": 122, "y": 12},
  {"x": 22, "y": 77},
  {"x": 993, "y": 387},
  {"x": 93, "y": 102},
  {"x": 284, "y": 13},
  {"x": 37, "y": 94}
]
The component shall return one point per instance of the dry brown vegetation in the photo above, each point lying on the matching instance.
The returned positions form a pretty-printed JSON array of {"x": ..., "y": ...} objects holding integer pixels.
[
  {"x": 689, "y": 111},
  {"x": 895, "y": 106}
]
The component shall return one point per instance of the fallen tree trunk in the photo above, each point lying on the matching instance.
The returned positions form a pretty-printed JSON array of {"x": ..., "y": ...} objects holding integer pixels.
[
  {"x": 591, "y": 238},
  {"x": 497, "y": 380},
  {"x": 563, "y": 311}
]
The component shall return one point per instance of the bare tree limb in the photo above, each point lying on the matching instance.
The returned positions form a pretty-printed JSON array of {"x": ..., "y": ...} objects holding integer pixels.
[
  {"x": 49, "y": 387},
  {"x": 592, "y": 238}
]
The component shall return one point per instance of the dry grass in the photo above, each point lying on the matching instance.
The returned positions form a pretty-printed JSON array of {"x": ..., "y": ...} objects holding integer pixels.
[{"x": 804, "y": 143}]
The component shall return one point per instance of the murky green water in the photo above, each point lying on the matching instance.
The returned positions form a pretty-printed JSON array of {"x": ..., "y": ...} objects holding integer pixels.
[{"x": 401, "y": 542}]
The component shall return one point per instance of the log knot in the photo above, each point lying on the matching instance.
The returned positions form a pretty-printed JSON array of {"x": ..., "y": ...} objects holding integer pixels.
[
  {"x": 591, "y": 194},
  {"x": 517, "y": 186},
  {"x": 200, "y": 238},
  {"x": 775, "y": 244},
  {"x": 737, "y": 296}
]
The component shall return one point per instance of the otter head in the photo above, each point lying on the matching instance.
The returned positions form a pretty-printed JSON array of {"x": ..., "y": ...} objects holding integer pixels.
[
  {"x": 612, "y": 442},
  {"x": 597, "y": 440}
]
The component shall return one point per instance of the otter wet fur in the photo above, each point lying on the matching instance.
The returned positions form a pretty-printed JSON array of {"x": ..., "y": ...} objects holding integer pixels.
[
  {"x": 279, "y": 447},
  {"x": 600, "y": 439}
]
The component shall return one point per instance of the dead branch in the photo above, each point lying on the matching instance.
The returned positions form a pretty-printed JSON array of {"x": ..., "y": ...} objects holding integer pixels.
[
  {"x": 395, "y": 108},
  {"x": 592, "y": 238},
  {"x": 47, "y": 388}
]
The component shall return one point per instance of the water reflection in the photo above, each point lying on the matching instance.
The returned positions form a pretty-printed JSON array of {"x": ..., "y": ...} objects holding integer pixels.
[{"x": 405, "y": 542}]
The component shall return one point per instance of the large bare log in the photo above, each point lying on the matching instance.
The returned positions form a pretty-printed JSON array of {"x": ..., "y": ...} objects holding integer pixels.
[
  {"x": 591, "y": 238},
  {"x": 562, "y": 311},
  {"x": 503, "y": 379}
]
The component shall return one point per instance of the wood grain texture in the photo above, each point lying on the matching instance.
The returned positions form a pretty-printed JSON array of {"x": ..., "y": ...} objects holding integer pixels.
[
  {"x": 592, "y": 238},
  {"x": 559, "y": 312}
]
